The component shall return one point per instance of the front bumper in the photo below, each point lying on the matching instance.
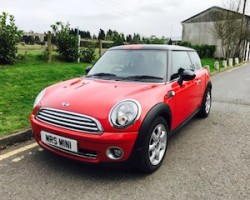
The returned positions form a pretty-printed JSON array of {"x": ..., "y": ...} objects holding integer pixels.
[{"x": 91, "y": 148}]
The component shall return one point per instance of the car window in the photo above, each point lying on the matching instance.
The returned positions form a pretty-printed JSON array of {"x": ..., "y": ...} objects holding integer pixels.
[
  {"x": 195, "y": 60},
  {"x": 127, "y": 63},
  {"x": 180, "y": 62}
]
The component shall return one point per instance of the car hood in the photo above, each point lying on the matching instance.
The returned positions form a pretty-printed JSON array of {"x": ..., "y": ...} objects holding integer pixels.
[{"x": 94, "y": 97}]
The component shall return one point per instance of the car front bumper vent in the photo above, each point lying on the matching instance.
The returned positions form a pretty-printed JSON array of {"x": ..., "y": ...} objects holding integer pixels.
[{"x": 69, "y": 120}]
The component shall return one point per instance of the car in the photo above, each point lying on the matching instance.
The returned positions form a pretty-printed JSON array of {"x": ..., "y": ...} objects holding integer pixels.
[{"x": 126, "y": 107}]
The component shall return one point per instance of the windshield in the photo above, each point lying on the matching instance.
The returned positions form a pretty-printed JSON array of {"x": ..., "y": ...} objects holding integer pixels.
[{"x": 131, "y": 65}]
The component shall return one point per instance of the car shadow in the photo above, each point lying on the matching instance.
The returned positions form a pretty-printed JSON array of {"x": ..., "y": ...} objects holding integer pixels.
[{"x": 59, "y": 165}]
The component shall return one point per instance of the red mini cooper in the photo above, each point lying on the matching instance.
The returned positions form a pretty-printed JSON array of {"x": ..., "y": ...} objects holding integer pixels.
[{"x": 125, "y": 108}]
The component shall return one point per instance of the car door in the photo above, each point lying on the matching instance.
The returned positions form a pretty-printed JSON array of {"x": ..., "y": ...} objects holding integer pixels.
[
  {"x": 200, "y": 79},
  {"x": 186, "y": 95}
]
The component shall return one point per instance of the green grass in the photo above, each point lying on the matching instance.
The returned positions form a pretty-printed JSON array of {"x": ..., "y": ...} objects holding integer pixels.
[
  {"x": 210, "y": 62},
  {"x": 20, "y": 83},
  {"x": 30, "y": 49}
]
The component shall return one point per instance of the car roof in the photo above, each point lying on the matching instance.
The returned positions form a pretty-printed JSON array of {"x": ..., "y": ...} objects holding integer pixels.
[{"x": 152, "y": 47}]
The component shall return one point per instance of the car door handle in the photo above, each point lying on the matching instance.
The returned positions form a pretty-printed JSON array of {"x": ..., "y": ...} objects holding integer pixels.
[
  {"x": 170, "y": 94},
  {"x": 198, "y": 81}
]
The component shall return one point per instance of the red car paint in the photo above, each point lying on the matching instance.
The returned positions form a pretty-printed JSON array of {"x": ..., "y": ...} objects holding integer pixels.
[{"x": 95, "y": 97}]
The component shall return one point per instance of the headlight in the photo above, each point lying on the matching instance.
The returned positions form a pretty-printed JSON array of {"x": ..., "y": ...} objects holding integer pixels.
[
  {"x": 39, "y": 97},
  {"x": 125, "y": 113}
]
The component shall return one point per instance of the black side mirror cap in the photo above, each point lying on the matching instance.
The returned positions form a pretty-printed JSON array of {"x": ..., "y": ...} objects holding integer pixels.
[
  {"x": 186, "y": 75},
  {"x": 87, "y": 69}
]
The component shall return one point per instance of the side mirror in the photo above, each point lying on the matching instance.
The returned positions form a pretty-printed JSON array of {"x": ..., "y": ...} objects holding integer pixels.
[
  {"x": 186, "y": 75},
  {"x": 87, "y": 69}
]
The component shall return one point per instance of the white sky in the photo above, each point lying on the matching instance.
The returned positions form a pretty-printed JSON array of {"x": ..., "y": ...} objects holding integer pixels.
[{"x": 146, "y": 17}]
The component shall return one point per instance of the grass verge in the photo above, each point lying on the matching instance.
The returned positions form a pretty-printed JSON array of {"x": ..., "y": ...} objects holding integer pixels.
[
  {"x": 20, "y": 83},
  {"x": 210, "y": 62}
]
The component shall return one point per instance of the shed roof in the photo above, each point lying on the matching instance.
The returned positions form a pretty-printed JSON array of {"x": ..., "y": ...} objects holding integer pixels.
[{"x": 207, "y": 15}]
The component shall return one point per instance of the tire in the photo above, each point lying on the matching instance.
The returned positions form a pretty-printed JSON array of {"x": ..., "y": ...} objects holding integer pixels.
[
  {"x": 154, "y": 146},
  {"x": 206, "y": 104}
]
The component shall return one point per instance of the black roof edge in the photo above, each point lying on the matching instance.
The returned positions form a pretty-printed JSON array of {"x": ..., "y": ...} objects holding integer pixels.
[{"x": 151, "y": 47}]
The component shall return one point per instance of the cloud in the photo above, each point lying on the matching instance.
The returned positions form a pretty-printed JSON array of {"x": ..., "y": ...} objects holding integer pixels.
[{"x": 147, "y": 17}]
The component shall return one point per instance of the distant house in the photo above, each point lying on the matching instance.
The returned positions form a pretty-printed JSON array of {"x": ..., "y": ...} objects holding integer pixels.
[
  {"x": 199, "y": 29},
  {"x": 37, "y": 36}
]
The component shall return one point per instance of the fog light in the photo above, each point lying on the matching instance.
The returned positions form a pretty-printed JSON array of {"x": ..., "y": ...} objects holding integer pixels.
[{"x": 114, "y": 153}]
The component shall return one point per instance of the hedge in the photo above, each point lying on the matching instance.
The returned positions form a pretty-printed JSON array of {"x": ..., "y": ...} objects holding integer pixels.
[{"x": 204, "y": 50}]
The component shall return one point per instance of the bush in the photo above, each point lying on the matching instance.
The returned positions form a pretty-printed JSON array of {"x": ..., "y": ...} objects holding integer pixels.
[
  {"x": 184, "y": 43},
  {"x": 204, "y": 50},
  {"x": 88, "y": 54},
  {"x": 66, "y": 42},
  {"x": 9, "y": 38}
]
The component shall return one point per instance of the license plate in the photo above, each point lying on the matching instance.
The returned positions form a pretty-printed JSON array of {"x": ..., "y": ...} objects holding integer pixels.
[{"x": 59, "y": 141}]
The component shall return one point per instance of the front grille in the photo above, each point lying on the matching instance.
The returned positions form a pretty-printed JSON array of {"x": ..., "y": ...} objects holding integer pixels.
[{"x": 69, "y": 120}]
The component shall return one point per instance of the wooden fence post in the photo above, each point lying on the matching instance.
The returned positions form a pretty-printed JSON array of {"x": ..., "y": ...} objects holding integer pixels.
[
  {"x": 100, "y": 48},
  {"x": 49, "y": 47}
]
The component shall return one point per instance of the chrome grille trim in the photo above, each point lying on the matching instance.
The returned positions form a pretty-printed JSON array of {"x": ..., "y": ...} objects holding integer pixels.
[
  {"x": 44, "y": 115},
  {"x": 69, "y": 120},
  {"x": 66, "y": 116}
]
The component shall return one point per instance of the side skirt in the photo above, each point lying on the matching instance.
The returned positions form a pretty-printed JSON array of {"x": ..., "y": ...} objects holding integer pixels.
[{"x": 184, "y": 122}]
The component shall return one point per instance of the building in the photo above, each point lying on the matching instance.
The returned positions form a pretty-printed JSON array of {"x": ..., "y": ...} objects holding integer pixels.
[
  {"x": 40, "y": 35},
  {"x": 200, "y": 29}
]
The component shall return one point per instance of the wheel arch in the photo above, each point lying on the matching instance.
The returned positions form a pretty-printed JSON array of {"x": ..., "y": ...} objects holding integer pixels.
[
  {"x": 209, "y": 85},
  {"x": 159, "y": 110}
]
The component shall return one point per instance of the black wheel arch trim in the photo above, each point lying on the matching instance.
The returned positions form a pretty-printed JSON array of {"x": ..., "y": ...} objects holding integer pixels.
[
  {"x": 209, "y": 85},
  {"x": 160, "y": 109}
]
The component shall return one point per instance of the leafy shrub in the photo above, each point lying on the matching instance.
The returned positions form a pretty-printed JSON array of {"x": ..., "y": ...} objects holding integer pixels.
[
  {"x": 185, "y": 43},
  {"x": 204, "y": 50},
  {"x": 9, "y": 38},
  {"x": 118, "y": 40},
  {"x": 88, "y": 54},
  {"x": 66, "y": 42}
]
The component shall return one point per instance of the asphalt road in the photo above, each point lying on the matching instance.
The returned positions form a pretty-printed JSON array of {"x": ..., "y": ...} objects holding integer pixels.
[{"x": 207, "y": 159}]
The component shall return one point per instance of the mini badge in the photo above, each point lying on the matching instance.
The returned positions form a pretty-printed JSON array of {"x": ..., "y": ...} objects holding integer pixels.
[{"x": 65, "y": 104}]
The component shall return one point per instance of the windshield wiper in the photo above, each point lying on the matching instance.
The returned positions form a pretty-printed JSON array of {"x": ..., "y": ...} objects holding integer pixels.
[
  {"x": 140, "y": 77},
  {"x": 101, "y": 75}
]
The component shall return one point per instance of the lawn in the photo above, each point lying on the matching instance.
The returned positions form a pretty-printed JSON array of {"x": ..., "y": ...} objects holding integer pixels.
[
  {"x": 20, "y": 83},
  {"x": 210, "y": 62},
  {"x": 30, "y": 49}
]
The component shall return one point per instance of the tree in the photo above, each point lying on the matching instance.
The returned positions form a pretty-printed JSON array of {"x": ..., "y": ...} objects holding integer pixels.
[
  {"x": 101, "y": 35},
  {"x": 154, "y": 40},
  {"x": 243, "y": 29},
  {"x": 230, "y": 27},
  {"x": 88, "y": 54},
  {"x": 129, "y": 38},
  {"x": 118, "y": 40},
  {"x": 66, "y": 41},
  {"x": 136, "y": 39},
  {"x": 109, "y": 35},
  {"x": 9, "y": 38}
]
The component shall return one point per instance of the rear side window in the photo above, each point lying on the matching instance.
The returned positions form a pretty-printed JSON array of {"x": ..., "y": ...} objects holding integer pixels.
[
  {"x": 195, "y": 60},
  {"x": 180, "y": 61}
]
